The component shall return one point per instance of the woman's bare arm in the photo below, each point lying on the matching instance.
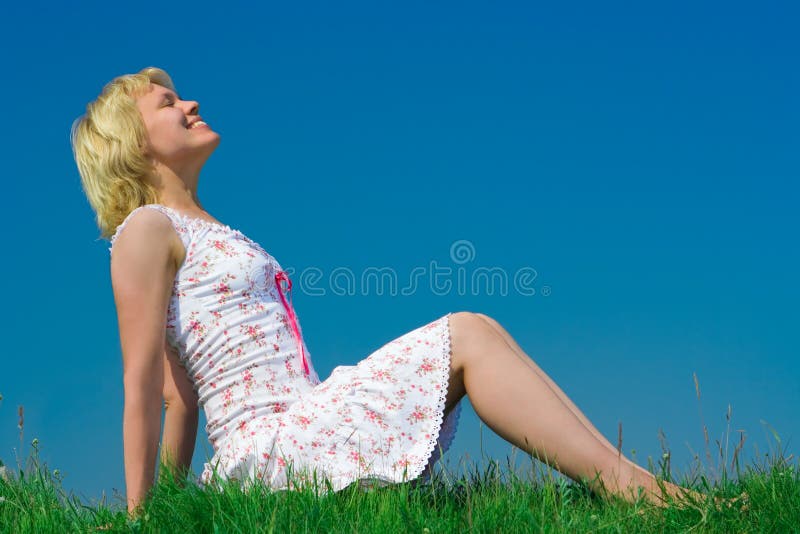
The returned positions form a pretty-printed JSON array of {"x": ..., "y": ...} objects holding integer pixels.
[
  {"x": 143, "y": 268},
  {"x": 181, "y": 414}
]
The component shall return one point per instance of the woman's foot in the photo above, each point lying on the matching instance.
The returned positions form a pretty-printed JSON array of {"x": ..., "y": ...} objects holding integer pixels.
[
  {"x": 721, "y": 504},
  {"x": 741, "y": 502}
]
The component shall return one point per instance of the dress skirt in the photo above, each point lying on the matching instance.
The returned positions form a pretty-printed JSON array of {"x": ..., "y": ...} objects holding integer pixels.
[{"x": 379, "y": 422}]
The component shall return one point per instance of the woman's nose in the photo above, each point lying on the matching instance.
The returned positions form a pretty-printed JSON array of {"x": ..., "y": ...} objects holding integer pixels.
[{"x": 191, "y": 107}]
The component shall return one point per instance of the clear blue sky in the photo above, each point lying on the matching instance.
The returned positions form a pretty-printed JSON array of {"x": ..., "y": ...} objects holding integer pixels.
[{"x": 642, "y": 159}]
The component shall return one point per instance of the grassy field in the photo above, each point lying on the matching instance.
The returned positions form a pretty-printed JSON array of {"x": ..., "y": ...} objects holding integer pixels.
[
  {"x": 490, "y": 499},
  {"x": 470, "y": 498}
]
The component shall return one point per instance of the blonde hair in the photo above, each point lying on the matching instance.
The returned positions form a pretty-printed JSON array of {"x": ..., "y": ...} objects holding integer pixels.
[{"x": 108, "y": 143}]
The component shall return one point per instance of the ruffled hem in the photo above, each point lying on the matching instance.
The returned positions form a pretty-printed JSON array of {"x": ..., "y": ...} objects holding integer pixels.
[
  {"x": 443, "y": 434},
  {"x": 445, "y": 428}
]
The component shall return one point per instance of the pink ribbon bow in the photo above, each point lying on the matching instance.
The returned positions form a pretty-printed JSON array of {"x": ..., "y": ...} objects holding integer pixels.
[{"x": 279, "y": 277}]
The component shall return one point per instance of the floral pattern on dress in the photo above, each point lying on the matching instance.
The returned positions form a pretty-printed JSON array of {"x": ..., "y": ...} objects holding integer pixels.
[{"x": 381, "y": 419}]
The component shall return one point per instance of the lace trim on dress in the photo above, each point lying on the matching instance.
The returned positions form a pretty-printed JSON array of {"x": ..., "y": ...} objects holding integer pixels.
[
  {"x": 440, "y": 430},
  {"x": 188, "y": 224},
  {"x": 177, "y": 217},
  {"x": 196, "y": 223},
  {"x": 188, "y": 219}
]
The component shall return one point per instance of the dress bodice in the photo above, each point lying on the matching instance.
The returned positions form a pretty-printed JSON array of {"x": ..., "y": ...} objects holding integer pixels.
[{"x": 232, "y": 326}]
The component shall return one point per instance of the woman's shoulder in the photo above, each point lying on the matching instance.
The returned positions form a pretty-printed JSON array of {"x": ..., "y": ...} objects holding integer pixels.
[
  {"x": 150, "y": 221},
  {"x": 145, "y": 254}
]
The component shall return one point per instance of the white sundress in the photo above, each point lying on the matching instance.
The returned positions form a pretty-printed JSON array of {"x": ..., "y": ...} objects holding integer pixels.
[{"x": 269, "y": 416}]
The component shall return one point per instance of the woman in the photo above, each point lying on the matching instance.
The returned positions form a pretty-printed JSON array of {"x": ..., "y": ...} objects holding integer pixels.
[{"x": 204, "y": 320}]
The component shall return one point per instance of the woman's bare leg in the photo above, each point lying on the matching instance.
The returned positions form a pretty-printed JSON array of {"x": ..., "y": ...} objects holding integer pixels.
[
  {"x": 498, "y": 328},
  {"x": 530, "y": 363},
  {"x": 521, "y": 407}
]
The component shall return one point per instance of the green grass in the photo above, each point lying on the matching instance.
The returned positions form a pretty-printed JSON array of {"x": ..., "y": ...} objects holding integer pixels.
[
  {"x": 476, "y": 499},
  {"x": 487, "y": 500}
]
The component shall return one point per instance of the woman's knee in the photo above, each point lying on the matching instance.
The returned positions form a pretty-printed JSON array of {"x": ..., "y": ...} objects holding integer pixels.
[
  {"x": 470, "y": 318},
  {"x": 471, "y": 336},
  {"x": 466, "y": 320},
  {"x": 486, "y": 318}
]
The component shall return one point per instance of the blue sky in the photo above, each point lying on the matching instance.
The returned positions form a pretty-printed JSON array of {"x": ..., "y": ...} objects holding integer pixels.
[{"x": 642, "y": 159}]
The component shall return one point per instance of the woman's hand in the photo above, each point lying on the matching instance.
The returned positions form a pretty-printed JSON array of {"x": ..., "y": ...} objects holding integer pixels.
[
  {"x": 143, "y": 268},
  {"x": 180, "y": 419}
]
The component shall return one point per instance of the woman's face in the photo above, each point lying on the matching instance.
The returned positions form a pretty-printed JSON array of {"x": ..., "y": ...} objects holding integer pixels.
[{"x": 177, "y": 137}]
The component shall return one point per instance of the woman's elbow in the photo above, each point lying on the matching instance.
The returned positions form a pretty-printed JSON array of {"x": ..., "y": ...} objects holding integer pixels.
[{"x": 180, "y": 404}]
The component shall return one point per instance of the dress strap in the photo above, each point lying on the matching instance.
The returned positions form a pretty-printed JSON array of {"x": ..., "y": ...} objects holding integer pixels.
[{"x": 177, "y": 223}]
